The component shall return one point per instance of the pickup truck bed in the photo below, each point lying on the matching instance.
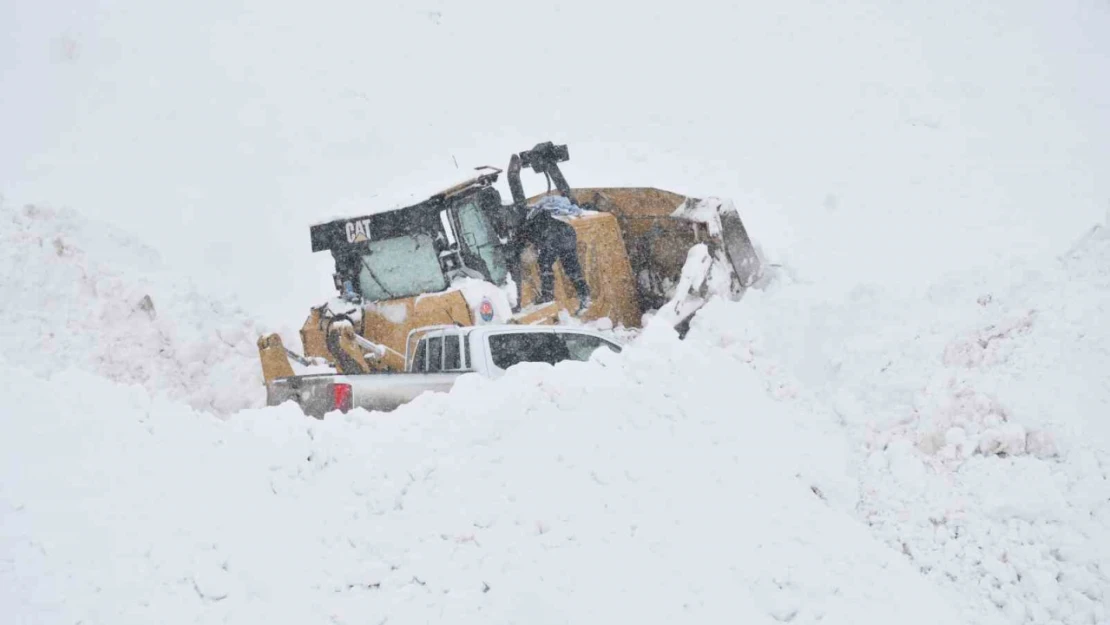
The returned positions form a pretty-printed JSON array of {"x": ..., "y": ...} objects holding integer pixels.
[
  {"x": 440, "y": 357},
  {"x": 316, "y": 393}
]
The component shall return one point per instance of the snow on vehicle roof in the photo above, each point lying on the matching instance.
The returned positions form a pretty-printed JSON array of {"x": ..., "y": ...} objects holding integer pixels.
[
  {"x": 397, "y": 199},
  {"x": 515, "y": 327}
]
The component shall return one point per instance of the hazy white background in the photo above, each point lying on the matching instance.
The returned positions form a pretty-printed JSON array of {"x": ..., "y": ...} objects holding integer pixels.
[{"x": 218, "y": 131}]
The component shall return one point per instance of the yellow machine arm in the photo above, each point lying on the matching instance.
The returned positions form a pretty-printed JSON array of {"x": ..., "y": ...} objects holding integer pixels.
[{"x": 348, "y": 352}]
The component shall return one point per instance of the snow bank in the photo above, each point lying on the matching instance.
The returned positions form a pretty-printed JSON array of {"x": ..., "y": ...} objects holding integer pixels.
[
  {"x": 698, "y": 480},
  {"x": 980, "y": 412},
  {"x": 795, "y": 459},
  {"x": 657, "y": 485},
  {"x": 82, "y": 294}
]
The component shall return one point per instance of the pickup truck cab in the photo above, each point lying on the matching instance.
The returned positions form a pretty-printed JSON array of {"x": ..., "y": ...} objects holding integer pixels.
[{"x": 436, "y": 356}]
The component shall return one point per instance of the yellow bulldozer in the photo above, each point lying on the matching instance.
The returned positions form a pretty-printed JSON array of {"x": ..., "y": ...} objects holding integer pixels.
[{"x": 455, "y": 259}]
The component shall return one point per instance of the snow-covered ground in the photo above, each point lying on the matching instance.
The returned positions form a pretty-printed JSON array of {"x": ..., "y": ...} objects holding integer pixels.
[
  {"x": 934, "y": 459},
  {"x": 587, "y": 493},
  {"x": 979, "y": 417},
  {"x": 910, "y": 424}
]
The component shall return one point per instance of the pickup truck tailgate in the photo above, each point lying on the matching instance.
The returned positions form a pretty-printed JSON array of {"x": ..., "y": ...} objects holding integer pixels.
[{"x": 315, "y": 393}]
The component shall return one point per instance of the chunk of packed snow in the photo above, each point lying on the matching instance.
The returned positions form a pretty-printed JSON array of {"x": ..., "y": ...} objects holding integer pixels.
[
  {"x": 394, "y": 313},
  {"x": 488, "y": 303},
  {"x": 705, "y": 211},
  {"x": 705, "y": 275},
  {"x": 1008, "y": 439}
]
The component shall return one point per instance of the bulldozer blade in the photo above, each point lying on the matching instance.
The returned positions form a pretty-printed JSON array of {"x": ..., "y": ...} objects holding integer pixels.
[
  {"x": 741, "y": 253},
  {"x": 660, "y": 227},
  {"x": 724, "y": 224}
]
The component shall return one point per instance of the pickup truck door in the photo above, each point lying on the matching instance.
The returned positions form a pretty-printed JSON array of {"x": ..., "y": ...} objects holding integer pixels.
[
  {"x": 436, "y": 364},
  {"x": 505, "y": 349},
  {"x": 582, "y": 345}
]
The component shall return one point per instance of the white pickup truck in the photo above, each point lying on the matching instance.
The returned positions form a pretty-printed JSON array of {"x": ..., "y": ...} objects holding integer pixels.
[{"x": 440, "y": 355}]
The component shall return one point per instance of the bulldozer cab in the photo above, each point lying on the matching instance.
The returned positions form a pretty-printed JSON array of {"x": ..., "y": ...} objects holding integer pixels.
[
  {"x": 463, "y": 231},
  {"x": 419, "y": 249}
]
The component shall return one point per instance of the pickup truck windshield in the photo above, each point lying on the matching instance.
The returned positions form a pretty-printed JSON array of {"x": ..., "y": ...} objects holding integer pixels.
[
  {"x": 512, "y": 348},
  {"x": 400, "y": 267}
]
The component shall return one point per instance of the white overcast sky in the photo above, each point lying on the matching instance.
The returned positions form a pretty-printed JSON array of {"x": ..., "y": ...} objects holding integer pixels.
[{"x": 218, "y": 130}]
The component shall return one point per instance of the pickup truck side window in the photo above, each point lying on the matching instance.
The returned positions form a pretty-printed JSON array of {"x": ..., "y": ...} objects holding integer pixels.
[
  {"x": 509, "y": 349},
  {"x": 582, "y": 346},
  {"x": 451, "y": 353},
  {"x": 435, "y": 354}
]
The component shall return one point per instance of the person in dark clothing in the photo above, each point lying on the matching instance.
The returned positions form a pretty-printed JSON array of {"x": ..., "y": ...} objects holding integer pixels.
[
  {"x": 346, "y": 272},
  {"x": 554, "y": 240}
]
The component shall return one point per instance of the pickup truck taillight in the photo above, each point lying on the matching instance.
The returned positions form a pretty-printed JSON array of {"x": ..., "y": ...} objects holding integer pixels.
[{"x": 341, "y": 397}]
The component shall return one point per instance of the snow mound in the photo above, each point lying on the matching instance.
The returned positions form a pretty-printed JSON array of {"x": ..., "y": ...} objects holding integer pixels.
[
  {"x": 979, "y": 412},
  {"x": 659, "y": 485},
  {"x": 82, "y": 294}
]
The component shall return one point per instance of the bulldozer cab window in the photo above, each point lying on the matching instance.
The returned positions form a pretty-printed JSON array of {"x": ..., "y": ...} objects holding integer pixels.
[
  {"x": 399, "y": 267},
  {"x": 479, "y": 237}
]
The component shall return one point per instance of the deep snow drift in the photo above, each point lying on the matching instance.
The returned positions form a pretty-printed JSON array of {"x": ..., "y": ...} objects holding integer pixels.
[
  {"x": 661, "y": 485},
  {"x": 901, "y": 467},
  {"x": 586, "y": 493},
  {"x": 83, "y": 294},
  {"x": 980, "y": 413}
]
